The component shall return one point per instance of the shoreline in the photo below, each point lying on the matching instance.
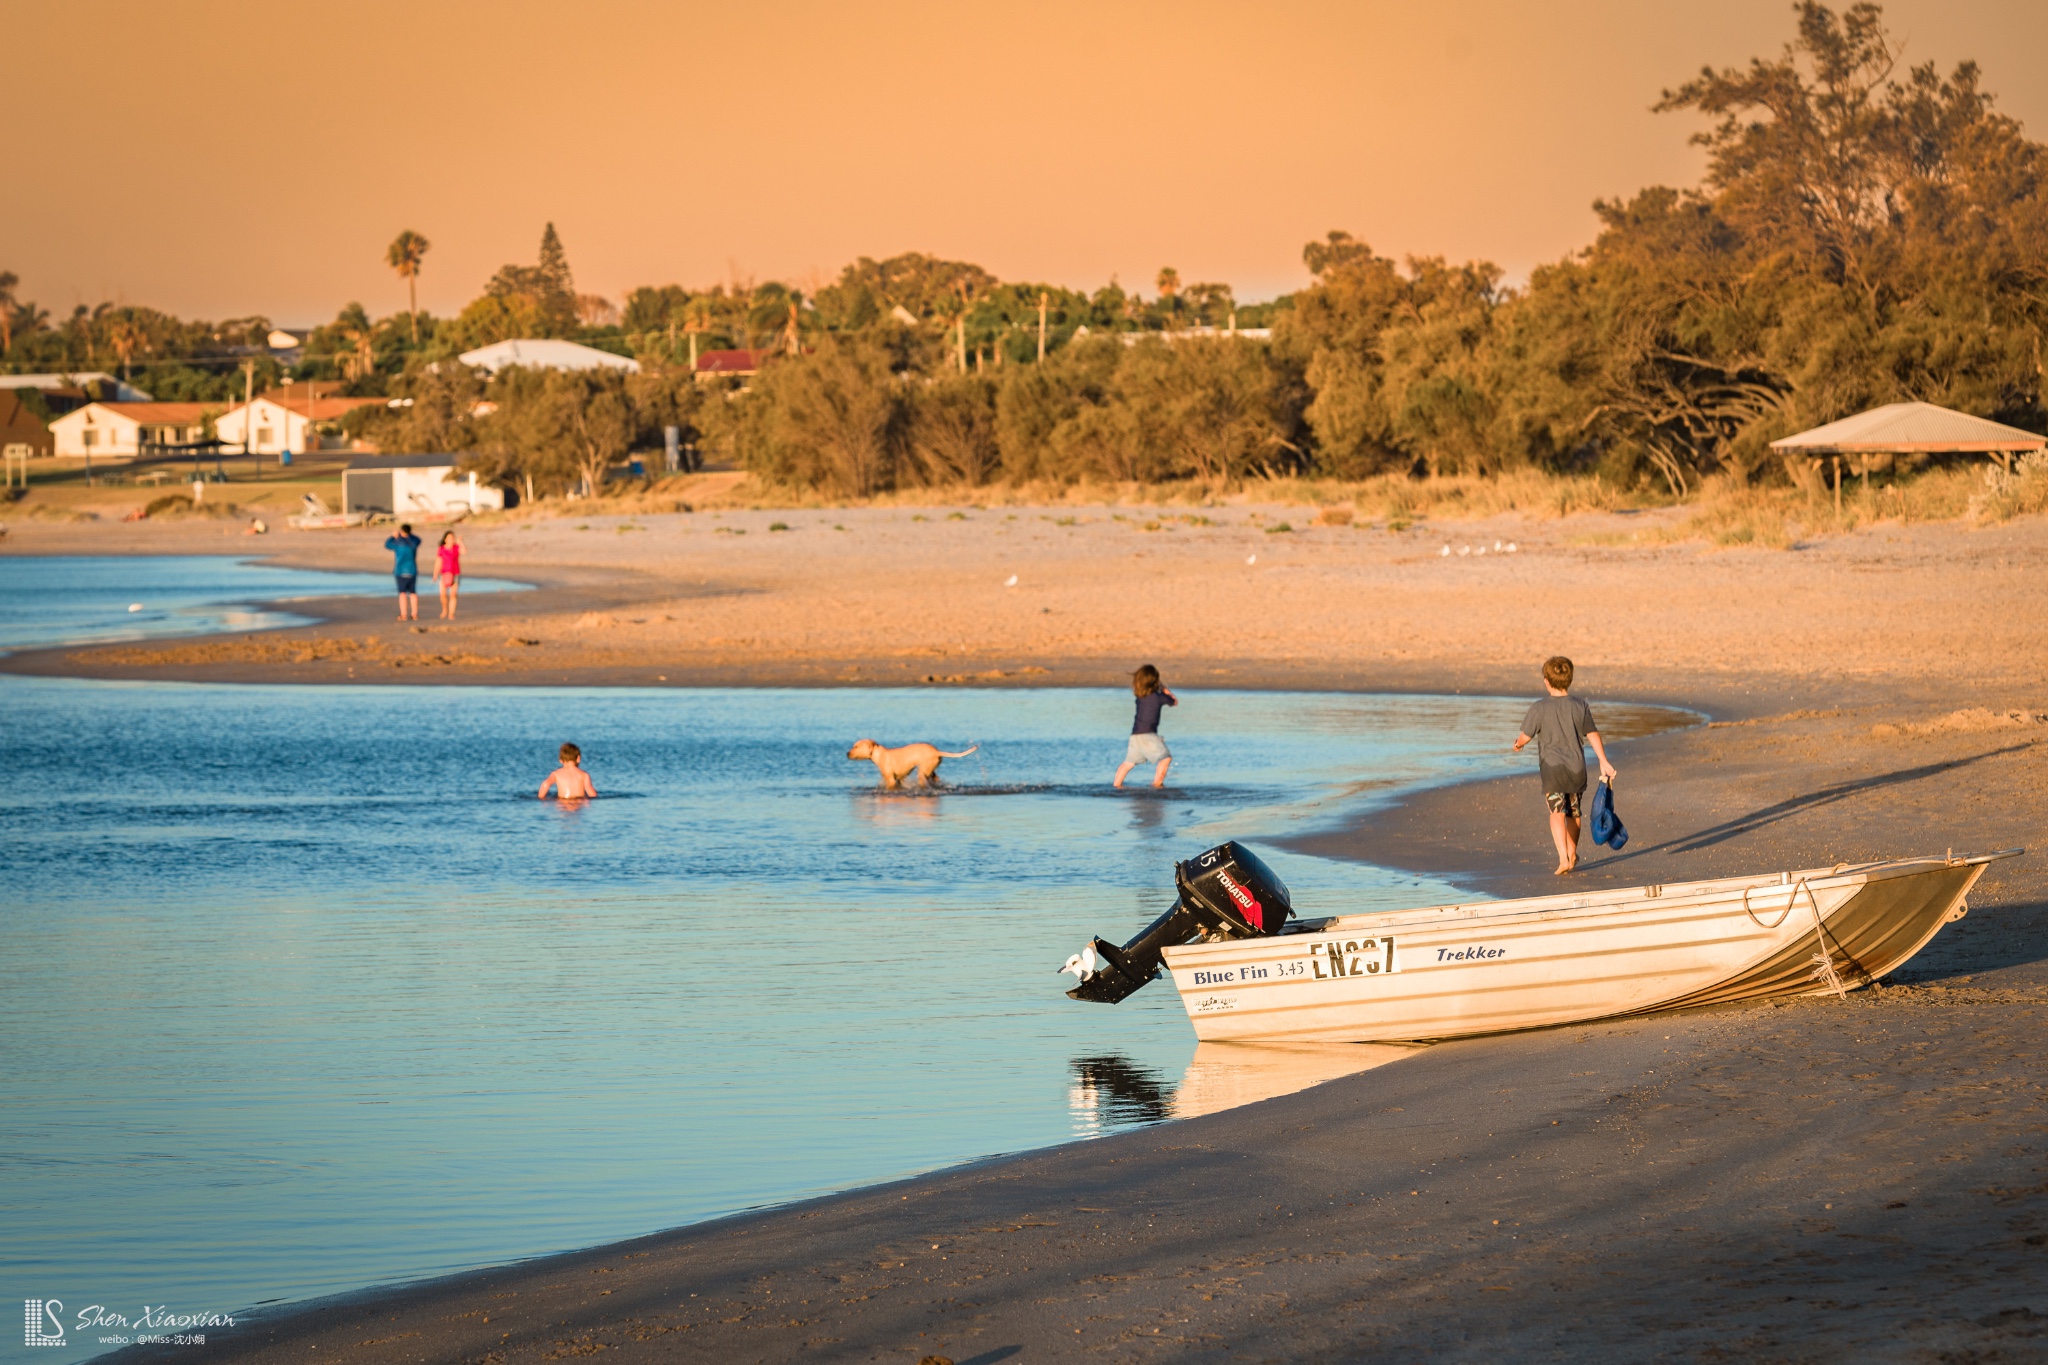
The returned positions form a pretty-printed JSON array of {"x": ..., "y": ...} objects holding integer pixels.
[
  {"x": 1755, "y": 1180},
  {"x": 1666, "y": 1206},
  {"x": 893, "y": 596}
]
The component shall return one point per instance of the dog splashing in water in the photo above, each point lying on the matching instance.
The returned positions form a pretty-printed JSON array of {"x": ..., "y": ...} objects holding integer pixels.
[{"x": 897, "y": 764}]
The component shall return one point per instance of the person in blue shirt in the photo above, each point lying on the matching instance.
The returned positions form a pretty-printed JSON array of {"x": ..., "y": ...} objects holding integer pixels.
[
  {"x": 405, "y": 567},
  {"x": 1146, "y": 746}
]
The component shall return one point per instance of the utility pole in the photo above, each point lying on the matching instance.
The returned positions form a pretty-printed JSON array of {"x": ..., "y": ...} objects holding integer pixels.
[
  {"x": 1041, "y": 326},
  {"x": 248, "y": 405}
]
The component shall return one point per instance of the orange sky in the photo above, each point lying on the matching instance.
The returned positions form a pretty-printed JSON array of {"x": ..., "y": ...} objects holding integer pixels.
[{"x": 215, "y": 158}]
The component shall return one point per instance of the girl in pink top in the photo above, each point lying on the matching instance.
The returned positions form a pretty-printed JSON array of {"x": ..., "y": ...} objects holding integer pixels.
[{"x": 450, "y": 573}]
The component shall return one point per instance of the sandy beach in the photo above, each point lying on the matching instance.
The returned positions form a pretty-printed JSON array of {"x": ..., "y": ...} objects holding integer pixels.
[
  {"x": 1216, "y": 597},
  {"x": 1812, "y": 1180}
]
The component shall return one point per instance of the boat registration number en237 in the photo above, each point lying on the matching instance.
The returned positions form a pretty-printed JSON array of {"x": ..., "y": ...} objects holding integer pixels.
[{"x": 1351, "y": 957}]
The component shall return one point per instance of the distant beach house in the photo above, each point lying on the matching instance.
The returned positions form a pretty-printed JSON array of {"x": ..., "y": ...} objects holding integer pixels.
[
  {"x": 120, "y": 431},
  {"x": 413, "y": 485},
  {"x": 285, "y": 421},
  {"x": 545, "y": 354}
]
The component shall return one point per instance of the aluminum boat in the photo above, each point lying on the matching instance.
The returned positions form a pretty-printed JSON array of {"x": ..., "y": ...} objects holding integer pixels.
[{"x": 1249, "y": 971}]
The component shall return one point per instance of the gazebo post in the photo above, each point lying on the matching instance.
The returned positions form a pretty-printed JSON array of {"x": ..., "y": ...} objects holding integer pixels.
[{"x": 1836, "y": 462}]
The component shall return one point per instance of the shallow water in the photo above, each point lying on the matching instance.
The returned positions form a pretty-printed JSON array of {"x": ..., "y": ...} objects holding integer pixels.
[
  {"x": 78, "y": 599},
  {"x": 304, "y": 991}
]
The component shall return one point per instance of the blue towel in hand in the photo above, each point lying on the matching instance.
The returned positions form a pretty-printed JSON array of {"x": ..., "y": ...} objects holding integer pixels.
[{"x": 1607, "y": 827}]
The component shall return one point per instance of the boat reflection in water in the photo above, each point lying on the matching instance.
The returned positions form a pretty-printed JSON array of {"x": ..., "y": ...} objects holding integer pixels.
[
  {"x": 1112, "y": 1092},
  {"x": 1225, "y": 1075}
]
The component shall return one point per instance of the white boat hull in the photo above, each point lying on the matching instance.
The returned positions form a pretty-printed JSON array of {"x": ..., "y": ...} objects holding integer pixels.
[{"x": 1456, "y": 970}]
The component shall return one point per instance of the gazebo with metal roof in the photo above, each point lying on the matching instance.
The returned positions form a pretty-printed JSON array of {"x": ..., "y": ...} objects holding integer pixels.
[{"x": 1913, "y": 429}]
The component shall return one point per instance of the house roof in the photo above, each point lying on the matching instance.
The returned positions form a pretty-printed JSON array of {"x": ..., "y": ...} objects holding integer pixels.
[
  {"x": 403, "y": 462},
  {"x": 1908, "y": 427},
  {"x": 324, "y": 407},
  {"x": 173, "y": 414},
  {"x": 15, "y": 415},
  {"x": 546, "y": 354},
  {"x": 53, "y": 383},
  {"x": 731, "y": 362}
]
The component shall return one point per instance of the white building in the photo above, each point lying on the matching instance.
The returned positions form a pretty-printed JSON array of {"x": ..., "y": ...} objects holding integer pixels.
[
  {"x": 545, "y": 354},
  {"x": 276, "y": 422},
  {"x": 413, "y": 485},
  {"x": 118, "y": 431}
]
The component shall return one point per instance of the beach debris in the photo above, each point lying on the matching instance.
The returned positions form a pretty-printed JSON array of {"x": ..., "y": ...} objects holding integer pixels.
[
  {"x": 1010, "y": 582},
  {"x": 1084, "y": 964}
]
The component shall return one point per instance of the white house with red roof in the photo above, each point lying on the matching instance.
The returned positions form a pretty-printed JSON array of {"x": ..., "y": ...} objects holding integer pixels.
[
  {"x": 119, "y": 431},
  {"x": 287, "y": 421}
]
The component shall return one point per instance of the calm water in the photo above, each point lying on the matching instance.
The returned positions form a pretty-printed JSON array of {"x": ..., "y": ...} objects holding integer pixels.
[
  {"x": 65, "y": 599},
  {"x": 301, "y": 990}
]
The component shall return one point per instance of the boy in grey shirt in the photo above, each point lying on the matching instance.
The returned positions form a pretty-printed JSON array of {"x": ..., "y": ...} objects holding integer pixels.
[{"x": 1562, "y": 726}]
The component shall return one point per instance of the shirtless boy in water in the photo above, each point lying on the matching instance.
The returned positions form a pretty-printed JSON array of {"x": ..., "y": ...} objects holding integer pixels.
[{"x": 570, "y": 782}]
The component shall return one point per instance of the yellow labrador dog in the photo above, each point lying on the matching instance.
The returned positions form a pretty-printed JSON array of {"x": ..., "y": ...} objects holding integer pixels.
[{"x": 897, "y": 764}]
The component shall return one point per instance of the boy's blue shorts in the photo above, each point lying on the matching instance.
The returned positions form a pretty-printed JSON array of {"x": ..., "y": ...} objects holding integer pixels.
[{"x": 407, "y": 582}]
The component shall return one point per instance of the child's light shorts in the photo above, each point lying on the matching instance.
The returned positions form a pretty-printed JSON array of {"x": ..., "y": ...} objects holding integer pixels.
[{"x": 1146, "y": 749}]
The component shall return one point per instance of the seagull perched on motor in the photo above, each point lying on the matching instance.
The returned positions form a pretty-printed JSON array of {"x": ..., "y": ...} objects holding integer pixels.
[{"x": 1083, "y": 964}]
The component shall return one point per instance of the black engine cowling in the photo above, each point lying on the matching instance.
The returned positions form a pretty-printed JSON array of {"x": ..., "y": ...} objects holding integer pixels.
[{"x": 1225, "y": 893}]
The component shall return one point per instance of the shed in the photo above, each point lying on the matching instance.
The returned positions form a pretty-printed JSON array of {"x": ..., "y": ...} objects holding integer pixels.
[
  {"x": 414, "y": 485},
  {"x": 1913, "y": 429}
]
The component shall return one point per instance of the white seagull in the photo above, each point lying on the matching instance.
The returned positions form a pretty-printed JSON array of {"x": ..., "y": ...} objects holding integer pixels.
[
  {"x": 1010, "y": 582},
  {"x": 1083, "y": 964}
]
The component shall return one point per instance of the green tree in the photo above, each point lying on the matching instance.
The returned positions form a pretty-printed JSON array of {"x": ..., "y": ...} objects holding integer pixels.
[
  {"x": 405, "y": 255},
  {"x": 833, "y": 419},
  {"x": 951, "y": 434}
]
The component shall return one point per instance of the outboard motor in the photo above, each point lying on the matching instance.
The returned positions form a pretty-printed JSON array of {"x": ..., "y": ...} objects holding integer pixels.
[{"x": 1225, "y": 893}]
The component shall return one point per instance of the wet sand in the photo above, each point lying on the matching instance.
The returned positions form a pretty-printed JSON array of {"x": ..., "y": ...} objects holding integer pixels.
[{"x": 1812, "y": 1180}]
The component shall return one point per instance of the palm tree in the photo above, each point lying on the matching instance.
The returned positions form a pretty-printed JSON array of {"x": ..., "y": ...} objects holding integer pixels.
[
  {"x": 8, "y": 280},
  {"x": 1169, "y": 295},
  {"x": 408, "y": 249}
]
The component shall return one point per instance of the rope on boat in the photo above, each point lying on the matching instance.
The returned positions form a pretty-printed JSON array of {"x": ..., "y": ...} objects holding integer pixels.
[
  {"x": 1781, "y": 919},
  {"x": 1824, "y": 965}
]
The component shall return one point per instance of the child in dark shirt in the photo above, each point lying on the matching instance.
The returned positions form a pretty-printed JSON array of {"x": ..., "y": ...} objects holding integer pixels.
[
  {"x": 1146, "y": 746},
  {"x": 1562, "y": 725}
]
